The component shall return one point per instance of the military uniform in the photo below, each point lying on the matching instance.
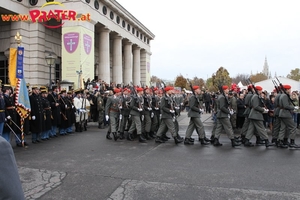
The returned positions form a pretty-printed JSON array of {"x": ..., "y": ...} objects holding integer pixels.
[
  {"x": 37, "y": 115},
  {"x": 112, "y": 111},
  {"x": 167, "y": 118},
  {"x": 256, "y": 120},
  {"x": 47, "y": 117},
  {"x": 223, "y": 119},
  {"x": 125, "y": 111},
  {"x": 136, "y": 113},
  {"x": 148, "y": 113},
  {"x": 246, "y": 113},
  {"x": 285, "y": 116},
  {"x": 233, "y": 106},
  {"x": 100, "y": 110},
  {"x": 55, "y": 110},
  {"x": 195, "y": 121}
]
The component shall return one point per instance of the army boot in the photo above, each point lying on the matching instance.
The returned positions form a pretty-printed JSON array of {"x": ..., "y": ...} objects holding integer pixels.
[
  {"x": 188, "y": 141},
  {"x": 203, "y": 142},
  {"x": 142, "y": 139},
  {"x": 282, "y": 145},
  {"x": 234, "y": 143},
  {"x": 268, "y": 144},
  {"x": 247, "y": 143},
  {"x": 217, "y": 143},
  {"x": 108, "y": 136}
]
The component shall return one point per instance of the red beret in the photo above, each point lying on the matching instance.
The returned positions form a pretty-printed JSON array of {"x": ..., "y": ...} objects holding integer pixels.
[
  {"x": 139, "y": 89},
  {"x": 224, "y": 87},
  {"x": 154, "y": 89},
  {"x": 168, "y": 88},
  {"x": 258, "y": 88},
  {"x": 195, "y": 87},
  {"x": 275, "y": 90},
  {"x": 286, "y": 87},
  {"x": 116, "y": 90},
  {"x": 249, "y": 87}
]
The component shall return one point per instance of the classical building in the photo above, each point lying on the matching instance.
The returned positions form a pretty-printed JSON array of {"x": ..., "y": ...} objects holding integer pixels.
[{"x": 92, "y": 38}]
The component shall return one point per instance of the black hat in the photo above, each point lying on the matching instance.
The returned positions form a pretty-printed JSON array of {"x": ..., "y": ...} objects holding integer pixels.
[{"x": 54, "y": 87}]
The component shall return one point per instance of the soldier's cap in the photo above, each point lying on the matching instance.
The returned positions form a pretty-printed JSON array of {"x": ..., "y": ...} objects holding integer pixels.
[
  {"x": 117, "y": 90},
  {"x": 195, "y": 87},
  {"x": 258, "y": 88},
  {"x": 224, "y": 87},
  {"x": 27, "y": 84},
  {"x": 63, "y": 91},
  {"x": 43, "y": 91},
  {"x": 287, "y": 87},
  {"x": 43, "y": 87},
  {"x": 34, "y": 87},
  {"x": 70, "y": 92},
  {"x": 54, "y": 87},
  {"x": 139, "y": 89},
  {"x": 169, "y": 88},
  {"x": 77, "y": 91}
]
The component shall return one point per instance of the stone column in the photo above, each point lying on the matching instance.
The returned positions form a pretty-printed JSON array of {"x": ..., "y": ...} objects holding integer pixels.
[
  {"x": 136, "y": 65},
  {"x": 117, "y": 60},
  {"x": 127, "y": 63},
  {"x": 104, "y": 68}
]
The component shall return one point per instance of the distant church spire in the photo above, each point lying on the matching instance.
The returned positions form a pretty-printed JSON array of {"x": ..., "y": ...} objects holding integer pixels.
[{"x": 266, "y": 68}]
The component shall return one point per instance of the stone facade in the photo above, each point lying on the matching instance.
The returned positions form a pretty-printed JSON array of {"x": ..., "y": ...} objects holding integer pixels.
[{"x": 121, "y": 43}]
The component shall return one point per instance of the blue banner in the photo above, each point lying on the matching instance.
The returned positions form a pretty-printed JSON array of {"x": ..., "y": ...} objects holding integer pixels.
[{"x": 20, "y": 56}]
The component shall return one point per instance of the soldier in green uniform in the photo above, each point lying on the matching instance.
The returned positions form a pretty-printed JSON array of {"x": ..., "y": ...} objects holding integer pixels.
[
  {"x": 167, "y": 117},
  {"x": 256, "y": 119},
  {"x": 233, "y": 105},
  {"x": 112, "y": 112},
  {"x": 277, "y": 122},
  {"x": 125, "y": 111},
  {"x": 136, "y": 113},
  {"x": 285, "y": 116},
  {"x": 223, "y": 119},
  {"x": 148, "y": 113},
  {"x": 246, "y": 113},
  {"x": 195, "y": 121}
]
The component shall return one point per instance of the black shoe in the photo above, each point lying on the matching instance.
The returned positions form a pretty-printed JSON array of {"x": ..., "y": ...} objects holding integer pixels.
[
  {"x": 142, "y": 139},
  {"x": 191, "y": 139},
  {"x": 274, "y": 140},
  {"x": 121, "y": 136},
  {"x": 129, "y": 137},
  {"x": 159, "y": 140},
  {"x": 293, "y": 144},
  {"x": 203, "y": 142},
  {"x": 234, "y": 143},
  {"x": 177, "y": 141},
  {"x": 259, "y": 141},
  {"x": 39, "y": 141},
  {"x": 115, "y": 136},
  {"x": 108, "y": 136},
  {"x": 243, "y": 139},
  {"x": 268, "y": 144},
  {"x": 166, "y": 137},
  {"x": 55, "y": 135},
  {"x": 34, "y": 142},
  {"x": 206, "y": 139},
  {"x": 212, "y": 139},
  {"x": 286, "y": 142},
  {"x": 179, "y": 137},
  {"x": 147, "y": 136},
  {"x": 44, "y": 139},
  {"x": 282, "y": 145},
  {"x": 238, "y": 139},
  {"x": 247, "y": 143},
  {"x": 188, "y": 141},
  {"x": 151, "y": 134},
  {"x": 217, "y": 143}
]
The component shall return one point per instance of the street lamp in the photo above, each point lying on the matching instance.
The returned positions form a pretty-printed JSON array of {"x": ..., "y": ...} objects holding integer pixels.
[{"x": 50, "y": 60}]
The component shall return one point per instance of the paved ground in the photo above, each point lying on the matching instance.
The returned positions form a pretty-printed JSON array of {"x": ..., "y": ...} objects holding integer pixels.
[{"x": 87, "y": 166}]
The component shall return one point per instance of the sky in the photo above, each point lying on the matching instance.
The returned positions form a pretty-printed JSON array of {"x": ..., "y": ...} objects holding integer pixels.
[{"x": 194, "y": 38}]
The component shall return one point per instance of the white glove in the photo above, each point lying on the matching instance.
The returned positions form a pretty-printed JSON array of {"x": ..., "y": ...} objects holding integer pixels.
[
  {"x": 152, "y": 115},
  {"x": 33, "y": 117},
  {"x": 8, "y": 117},
  {"x": 66, "y": 106},
  {"x": 139, "y": 109},
  {"x": 172, "y": 111},
  {"x": 296, "y": 107},
  {"x": 149, "y": 109},
  {"x": 160, "y": 116},
  {"x": 120, "y": 107},
  {"x": 200, "y": 110},
  {"x": 231, "y": 112},
  {"x": 129, "y": 116},
  {"x": 72, "y": 106},
  {"x": 156, "y": 108},
  {"x": 143, "y": 117},
  {"x": 106, "y": 117},
  {"x": 181, "y": 103},
  {"x": 120, "y": 116},
  {"x": 266, "y": 110},
  {"x": 228, "y": 115}
]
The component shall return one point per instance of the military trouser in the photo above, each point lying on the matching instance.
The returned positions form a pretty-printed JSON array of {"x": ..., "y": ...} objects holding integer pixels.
[
  {"x": 290, "y": 129},
  {"x": 147, "y": 123},
  {"x": 155, "y": 122},
  {"x": 233, "y": 120},
  {"x": 114, "y": 123},
  {"x": 136, "y": 124},
  {"x": 258, "y": 127},
  {"x": 224, "y": 123},
  {"x": 101, "y": 117},
  {"x": 195, "y": 123},
  {"x": 276, "y": 127},
  {"x": 245, "y": 126},
  {"x": 166, "y": 123},
  {"x": 123, "y": 123}
]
